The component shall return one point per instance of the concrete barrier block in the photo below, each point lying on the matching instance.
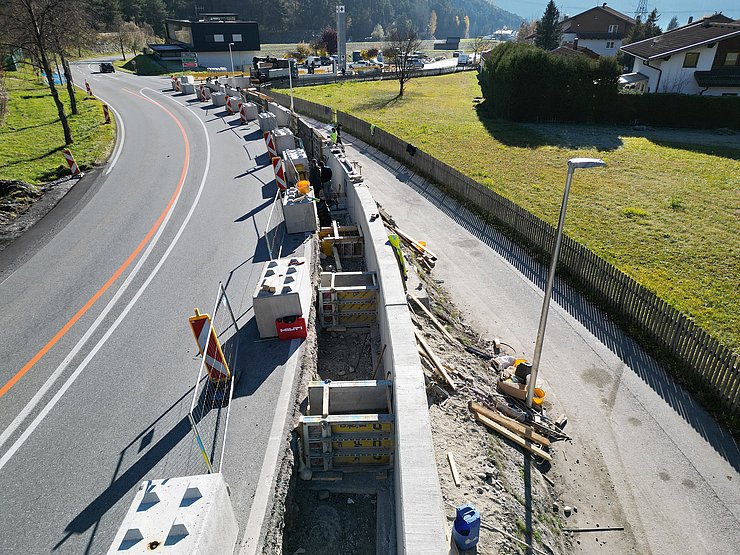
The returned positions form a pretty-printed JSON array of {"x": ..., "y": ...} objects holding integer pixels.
[
  {"x": 267, "y": 121},
  {"x": 298, "y": 158},
  {"x": 282, "y": 114},
  {"x": 187, "y": 80},
  {"x": 250, "y": 110},
  {"x": 299, "y": 212},
  {"x": 284, "y": 289},
  {"x": 284, "y": 139},
  {"x": 187, "y": 88},
  {"x": 241, "y": 82},
  {"x": 218, "y": 99},
  {"x": 187, "y": 515}
]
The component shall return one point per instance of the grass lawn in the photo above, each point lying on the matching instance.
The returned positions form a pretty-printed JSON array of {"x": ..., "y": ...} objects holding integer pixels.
[
  {"x": 665, "y": 213},
  {"x": 32, "y": 140}
]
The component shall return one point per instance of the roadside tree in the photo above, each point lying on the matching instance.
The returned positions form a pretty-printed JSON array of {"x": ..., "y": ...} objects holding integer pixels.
[
  {"x": 401, "y": 43},
  {"x": 31, "y": 25}
]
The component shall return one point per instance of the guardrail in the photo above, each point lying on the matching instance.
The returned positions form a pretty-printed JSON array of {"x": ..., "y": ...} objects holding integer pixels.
[{"x": 696, "y": 357}]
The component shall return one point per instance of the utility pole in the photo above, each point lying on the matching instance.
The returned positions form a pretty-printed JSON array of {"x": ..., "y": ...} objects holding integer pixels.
[
  {"x": 641, "y": 11},
  {"x": 341, "y": 38}
]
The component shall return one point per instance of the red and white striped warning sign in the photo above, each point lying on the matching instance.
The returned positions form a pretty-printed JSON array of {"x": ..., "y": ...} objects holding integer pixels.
[
  {"x": 106, "y": 113},
  {"x": 209, "y": 347},
  {"x": 87, "y": 87},
  {"x": 71, "y": 163},
  {"x": 243, "y": 113},
  {"x": 279, "y": 166},
  {"x": 270, "y": 143},
  {"x": 201, "y": 94}
]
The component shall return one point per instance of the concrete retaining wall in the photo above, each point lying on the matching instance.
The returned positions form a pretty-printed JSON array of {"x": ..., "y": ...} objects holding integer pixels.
[{"x": 420, "y": 516}]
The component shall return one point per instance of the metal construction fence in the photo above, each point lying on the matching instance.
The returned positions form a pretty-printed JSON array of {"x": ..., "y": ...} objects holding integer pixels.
[
  {"x": 330, "y": 78},
  {"x": 274, "y": 233},
  {"x": 702, "y": 360},
  {"x": 209, "y": 409}
]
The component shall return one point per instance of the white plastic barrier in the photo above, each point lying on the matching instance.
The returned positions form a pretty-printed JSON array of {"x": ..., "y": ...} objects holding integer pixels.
[{"x": 183, "y": 516}]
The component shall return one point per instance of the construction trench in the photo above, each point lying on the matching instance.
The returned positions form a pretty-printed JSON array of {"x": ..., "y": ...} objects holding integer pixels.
[{"x": 401, "y": 440}]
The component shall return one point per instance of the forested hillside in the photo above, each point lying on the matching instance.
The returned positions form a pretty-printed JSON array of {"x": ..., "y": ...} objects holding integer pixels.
[{"x": 438, "y": 18}]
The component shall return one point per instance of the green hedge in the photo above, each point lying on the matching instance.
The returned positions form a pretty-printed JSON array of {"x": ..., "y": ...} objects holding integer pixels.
[{"x": 523, "y": 83}]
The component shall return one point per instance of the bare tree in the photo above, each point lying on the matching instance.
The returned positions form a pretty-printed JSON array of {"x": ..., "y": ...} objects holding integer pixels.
[
  {"x": 132, "y": 36},
  {"x": 480, "y": 44},
  {"x": 29, "y": 25},
  {"x": 70, "y": 29},
  {"x": 401, "y": 43},
  {"x": 526, "y": 29}
]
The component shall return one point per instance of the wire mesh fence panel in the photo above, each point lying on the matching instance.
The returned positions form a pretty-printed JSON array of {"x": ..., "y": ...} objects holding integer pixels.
[
  {"x": 209, "y": 409},
  {"x": 275, "y": 228}
]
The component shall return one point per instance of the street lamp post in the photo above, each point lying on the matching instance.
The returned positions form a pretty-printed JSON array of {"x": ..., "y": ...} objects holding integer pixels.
[
  {"x": 573, "y": 163},
  {"x": 231, "y": 57},
  {"x": 290, "y": 80}
]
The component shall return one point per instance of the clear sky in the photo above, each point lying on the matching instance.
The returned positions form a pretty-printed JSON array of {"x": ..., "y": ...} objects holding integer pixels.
[{"x": 682, "y": 9}]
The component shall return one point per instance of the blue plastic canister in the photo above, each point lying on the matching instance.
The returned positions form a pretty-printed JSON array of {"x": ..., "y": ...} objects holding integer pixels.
[{"x": 466, "y": 528}]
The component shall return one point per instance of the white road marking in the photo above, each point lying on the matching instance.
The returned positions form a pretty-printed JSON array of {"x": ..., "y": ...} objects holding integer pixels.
[
  {"x": 7, "y": 456},
  {"x": 122, "y": 137},
  {"x": 250, "y": 541}
]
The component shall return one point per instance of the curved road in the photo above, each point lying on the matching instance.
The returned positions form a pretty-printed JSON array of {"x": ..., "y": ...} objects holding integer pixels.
[{"x": 98, "y": 359}]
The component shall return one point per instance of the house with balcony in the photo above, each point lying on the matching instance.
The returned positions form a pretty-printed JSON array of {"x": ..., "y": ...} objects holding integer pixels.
[
  {"x": 600, "y": 29},
  {"x": 702, "y": 57}
]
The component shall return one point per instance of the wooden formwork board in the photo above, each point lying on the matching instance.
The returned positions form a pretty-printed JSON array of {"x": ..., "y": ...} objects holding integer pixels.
[{"x": 335, "y": 442}]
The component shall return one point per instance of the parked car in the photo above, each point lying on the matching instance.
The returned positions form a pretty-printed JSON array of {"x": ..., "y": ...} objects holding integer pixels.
[
  {"x": 360, "y": 65},
  {"x": 107, "y": 67}
]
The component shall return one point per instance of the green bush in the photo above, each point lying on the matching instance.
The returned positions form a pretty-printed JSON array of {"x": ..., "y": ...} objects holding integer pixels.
[{"x": 524, "y": 83}]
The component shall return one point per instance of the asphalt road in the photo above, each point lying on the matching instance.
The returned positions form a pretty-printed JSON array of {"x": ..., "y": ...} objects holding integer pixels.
[
  {"x": 98, "y": 359},
  {"x": 645, "y": 455}
]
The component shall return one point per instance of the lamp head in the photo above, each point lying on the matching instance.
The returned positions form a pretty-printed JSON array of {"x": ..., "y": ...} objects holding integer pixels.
[{"x": 574, "y": 163}]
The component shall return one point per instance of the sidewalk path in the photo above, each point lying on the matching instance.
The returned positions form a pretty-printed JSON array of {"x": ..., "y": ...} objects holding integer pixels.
[{"x": 645, "y": 455}]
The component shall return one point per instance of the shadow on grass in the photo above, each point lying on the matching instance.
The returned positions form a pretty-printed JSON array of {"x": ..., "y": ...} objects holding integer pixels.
[
  {"x": 509, "y": 133},
  {"x": 378, "y": 103},
  {"x": 601, "y": 137},
  {"x": 709, "y": 150}
]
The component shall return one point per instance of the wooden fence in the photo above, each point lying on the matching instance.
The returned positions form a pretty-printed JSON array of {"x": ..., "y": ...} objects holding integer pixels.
[{"x": 701, "y": 359}]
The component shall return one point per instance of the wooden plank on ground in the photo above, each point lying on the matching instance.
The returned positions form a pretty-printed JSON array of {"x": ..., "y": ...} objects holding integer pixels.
[
  {"x": 453, "y": 468},
  {"x": 437, "y": 363},
  {"x": 437, "y": 323},
  {"x": 520, "y": 441},
  {"x": 527, "y": 432}
]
